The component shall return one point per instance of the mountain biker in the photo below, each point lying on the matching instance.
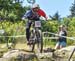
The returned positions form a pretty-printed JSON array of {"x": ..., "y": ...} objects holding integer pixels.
[{"x": 33, "y": 14}]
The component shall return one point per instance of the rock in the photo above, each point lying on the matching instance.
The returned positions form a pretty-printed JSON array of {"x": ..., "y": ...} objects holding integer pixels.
[
  {"x": 49, "y": 50},
  {"x": 22, "y": 55},
  {"x": 19, "y": 55},
  {"x": 10, "y": 54},
  {"x": 59, "y": 55},
  {"x": 44, "y": 55},
  {"x": 69, "y": 48},
  {"x": 66, "y": 50},
  {"x": 65, "y": 53}
]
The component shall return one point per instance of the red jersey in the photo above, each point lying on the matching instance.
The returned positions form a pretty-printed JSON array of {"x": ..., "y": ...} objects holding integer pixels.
[{"x": 41, "y": 13}]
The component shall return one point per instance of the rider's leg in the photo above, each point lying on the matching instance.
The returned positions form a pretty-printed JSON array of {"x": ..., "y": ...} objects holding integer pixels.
[
  {"x": 28, "y": 30},
  {"x": 57, "y": 45},
  {"x": 27, "y": 34}
]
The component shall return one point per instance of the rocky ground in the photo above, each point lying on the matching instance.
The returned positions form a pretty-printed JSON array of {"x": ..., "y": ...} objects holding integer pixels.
[{"x": 48, "y": 55}]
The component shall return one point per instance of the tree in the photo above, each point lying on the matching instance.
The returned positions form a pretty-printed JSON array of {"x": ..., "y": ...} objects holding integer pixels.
[
  {"x": 72, "y": 9},
  {"x": 56, "y": 16},
  {"x": 12, "y": 9},
  {"x": 66, "y": 21}
]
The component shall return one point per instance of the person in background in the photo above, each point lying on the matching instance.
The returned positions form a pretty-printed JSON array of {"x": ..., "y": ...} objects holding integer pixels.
[
  {"x": 33, "y": 14},
  {"x": 62, "y": 33}
]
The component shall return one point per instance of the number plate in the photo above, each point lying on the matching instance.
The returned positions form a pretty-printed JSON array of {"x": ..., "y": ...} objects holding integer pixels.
[{"x": 37, "y": 23}]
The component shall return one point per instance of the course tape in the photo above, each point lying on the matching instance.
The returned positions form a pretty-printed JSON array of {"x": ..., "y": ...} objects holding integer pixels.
[
  {"x": 14, "y": 36},
  {"x": 72, "y": 38}
]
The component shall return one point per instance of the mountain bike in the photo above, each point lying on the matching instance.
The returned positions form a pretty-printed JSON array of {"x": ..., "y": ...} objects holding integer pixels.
[{"x": 36, "y": 36}]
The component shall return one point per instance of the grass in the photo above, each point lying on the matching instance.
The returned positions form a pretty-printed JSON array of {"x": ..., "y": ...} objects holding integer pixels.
[{"x": 24, "y": 45}]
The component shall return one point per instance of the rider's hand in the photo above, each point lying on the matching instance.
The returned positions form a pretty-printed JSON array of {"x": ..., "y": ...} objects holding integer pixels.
[{"x": 23, "y": 18}]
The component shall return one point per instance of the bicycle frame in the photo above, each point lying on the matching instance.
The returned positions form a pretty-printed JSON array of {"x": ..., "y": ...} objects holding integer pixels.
[
  {"x": 36, "y": 35},
  {"x": 36, "y": 28}
]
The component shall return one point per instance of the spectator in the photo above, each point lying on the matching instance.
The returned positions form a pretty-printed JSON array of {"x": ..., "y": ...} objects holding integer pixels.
[{"x": 62, "y": 33}]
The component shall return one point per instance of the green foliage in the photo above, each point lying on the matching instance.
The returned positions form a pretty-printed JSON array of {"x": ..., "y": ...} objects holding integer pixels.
[
  {"x": 70, "y": 42},
  {"x": 18, "y": 28},
  {"x": 66, "y": 21},
  {"x": 71, "y": 27},
  {"x": 72, "y": 9},
  {"x": 11, "y": 29},
  {"x": 50, "y": 26},
  {"x": 12, "y": 10}
]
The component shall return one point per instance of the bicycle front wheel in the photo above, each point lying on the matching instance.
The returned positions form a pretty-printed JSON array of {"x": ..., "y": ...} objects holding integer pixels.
[{"x": 39, "y": 39}]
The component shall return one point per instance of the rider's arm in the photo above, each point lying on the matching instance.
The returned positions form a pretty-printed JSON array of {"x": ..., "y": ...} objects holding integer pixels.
[
  {"x": 27, "y": 15},
  {"x": 42, "y": 13}
]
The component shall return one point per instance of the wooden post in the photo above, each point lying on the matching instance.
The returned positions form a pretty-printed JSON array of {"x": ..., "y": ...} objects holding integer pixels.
[{"x": 71, "y": 54}]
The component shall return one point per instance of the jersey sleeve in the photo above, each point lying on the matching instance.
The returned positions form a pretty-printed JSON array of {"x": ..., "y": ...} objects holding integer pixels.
[
  {"x": 41, "y": 13},
  {"x": 27, "y": 14}
]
